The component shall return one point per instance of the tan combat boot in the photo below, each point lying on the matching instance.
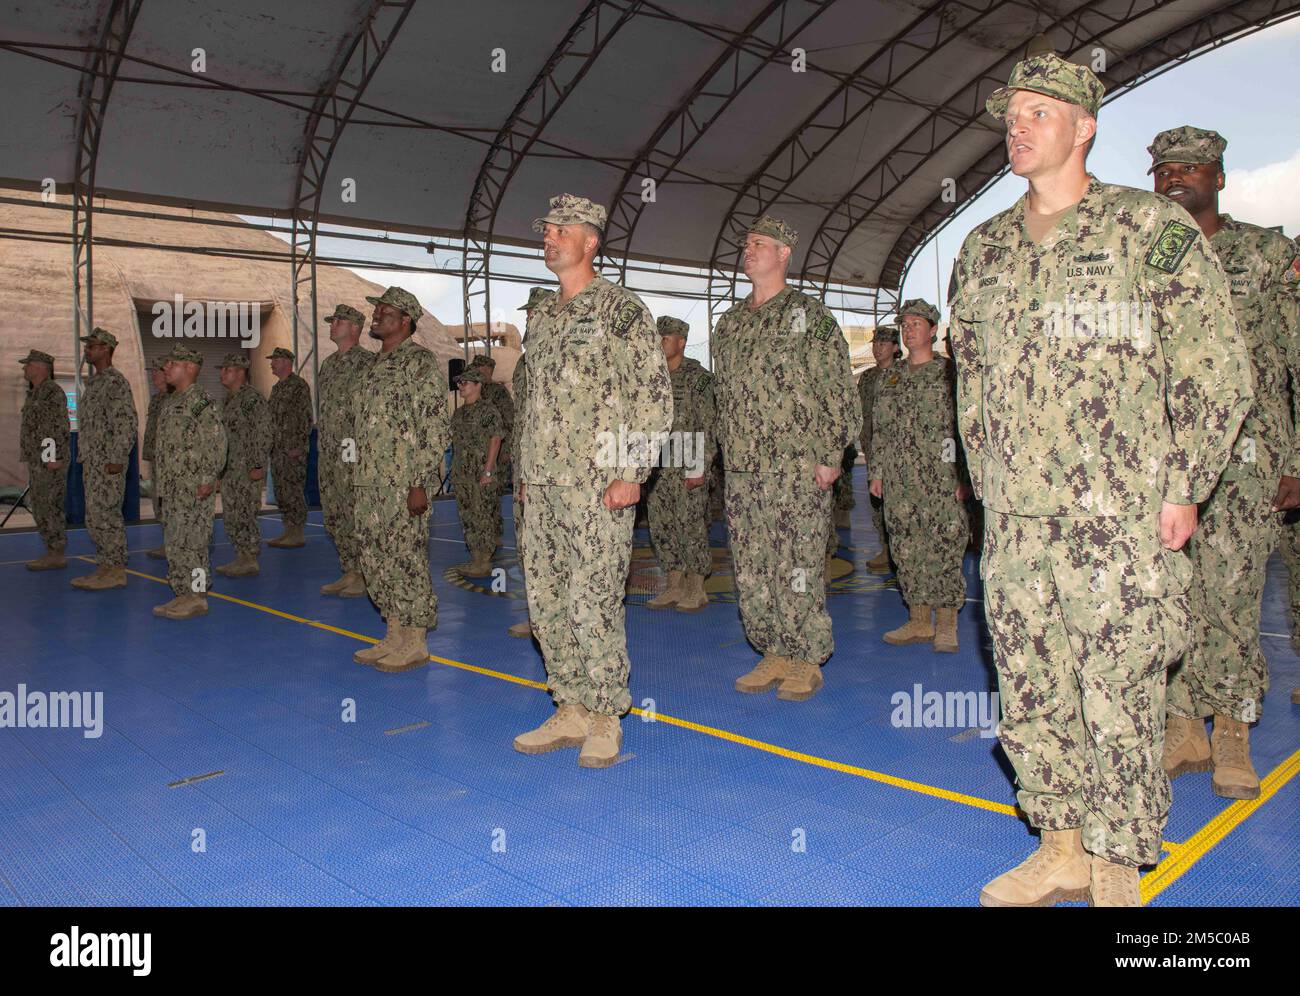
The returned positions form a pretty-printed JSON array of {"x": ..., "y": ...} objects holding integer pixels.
[
  {"x": 917, "y": 629},
  {"x": 371, "y": 655},
  {"x": 355, "y": 587},
  {"x": 166, "y": 609},
  {"x": 158, "y": 553},
  {"x": 244, "y": 565},
  {"x": 1057, "y": 872},
  {"x": 186, "y": 607},
  {"x": 104, "y": 577},
  {"x": 521, "y": 630},
  {"x": 334, "y": 587},
  {"x": 880, "y": 562},
  {"x": 1187, "y": 748},
  {"x": 567, "y": 727},
  {"x": 802, "y": 681},
  {"x": 1234, "y": 775},
  {"x": 768, "y": 673},
  {"x": 479, "y": 565},
  {"x": 409, "y": 650},
  {"x": 51, "y": 560},
  {"x": 291, "y": 537},
  {"x": 83, "y": 580},
  {"x": 1113, "y": 884},
  {"x": 601, "y": 747},
  {"x": 945, "y": 631},
  {"x": 671, "y": 595},
  {"x": 694, "y": 598}
]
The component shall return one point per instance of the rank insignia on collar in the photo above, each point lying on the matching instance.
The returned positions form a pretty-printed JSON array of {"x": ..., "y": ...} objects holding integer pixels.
[{"x": 1171, "y": 247}]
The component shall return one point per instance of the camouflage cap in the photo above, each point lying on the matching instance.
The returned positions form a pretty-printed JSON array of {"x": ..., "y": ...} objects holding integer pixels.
[
  {"x": 100, "y": 335},
  {"x": 346, "y": 313},
  {"x": 570, "y": 209},
  {"x": 239, "y": 359},
  {"x": 886, "y": 333},
  {"x": 472, "y": 375},
  {"x": 1186, "y": 145},
  {"x": 280, "y": 353},
  {"x": 536, "y": 296},
  {"x": 37, "y": 356},
  {"x": 668, "y": 325},
  {"x": 401, "y": 299},
  {"x": 775, "y": 228},
  {"x": 158, "y": 363},
  {"x": 185, "y": 354},
  {"x": 483, "y": 360},
  {"x": 1049, "y": 74},
  {"x": 920, "y": 308}
]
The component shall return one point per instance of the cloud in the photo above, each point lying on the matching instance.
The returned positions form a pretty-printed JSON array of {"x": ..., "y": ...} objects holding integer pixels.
[{"x": 1267, "y": 196}]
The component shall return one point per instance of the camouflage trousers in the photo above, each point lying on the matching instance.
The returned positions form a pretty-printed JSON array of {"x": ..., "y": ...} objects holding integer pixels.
[
  {"x": 186, "y": 535},
  {"x": 576, "y": 562},
  {"x": 679, "y": 523},
  {"x": 104, "y": 514},
  {"x": 290, "y": 487},
  {"x": 928, "y": 541},
  {"x": 336, "y": 502},
  {"x": 480, "y": 513},
  {"x": 49, "y": 488},
  {"x": 878, "y": 519},
  {"x": 1086, "y": 614},
  {"x": 777, "y": 525},
  {"x": 394, "y": 552},
  {"x": 1224, "y": 671},
  {"x": 842, "y": 499},
  {"x": 240, "y": 501},
  {"x": 1289, "y": 547}
]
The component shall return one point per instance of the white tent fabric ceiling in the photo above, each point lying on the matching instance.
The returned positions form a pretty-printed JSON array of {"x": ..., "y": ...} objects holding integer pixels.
[{"x": 853, "y": 152}]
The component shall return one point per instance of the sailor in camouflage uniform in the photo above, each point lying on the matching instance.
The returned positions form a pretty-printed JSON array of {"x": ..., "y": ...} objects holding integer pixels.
[
  {"x": 339, "y": 380},
  {"x": 915, "y": 468},
  {"x": 678, "y": 503},
  {"x": 402, "y": 436},
  {"x": 191, "y": 450},
  {"x": 290, "y": 443},
  {"x": 1224, "y": 674},
  {"x": 247, "y": 420},
  {"x": 162, "y": 391},
  {"x": 598, "y": 395},
  {"x": 1101, "y": 383},
  {"x": 477, "y": 431},
  {"x": 787, "y": 408},
  {"x": 43, "y": 445},
  {"x": 519, "y": 385},
  {"x": 106, "y": 435},
  {"x": 499, "y": 397},
  {"x": 884, "y": 349}
]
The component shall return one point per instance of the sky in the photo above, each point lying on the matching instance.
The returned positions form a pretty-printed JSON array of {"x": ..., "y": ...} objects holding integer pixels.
[{"x": 1243, "y": 90}]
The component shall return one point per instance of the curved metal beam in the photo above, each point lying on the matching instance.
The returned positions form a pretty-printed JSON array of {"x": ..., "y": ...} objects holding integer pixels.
[
  {"x": 96, "y": 86},
  {"x": 1123, "y": 73},
  {"x": 558, "y": 78},
  {"x": 854, "y": 96},
  {"x": 703, "y": 104},
  {"x": 331, "y": 111}
]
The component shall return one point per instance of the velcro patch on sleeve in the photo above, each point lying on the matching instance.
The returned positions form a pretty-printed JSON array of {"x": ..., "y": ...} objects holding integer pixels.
[
  {"x": 624, "y": 317},
  {"x": 1171, "y": 247},
  {"x": 1293, "y": 271},
  {"x": 823, "y": 329}
]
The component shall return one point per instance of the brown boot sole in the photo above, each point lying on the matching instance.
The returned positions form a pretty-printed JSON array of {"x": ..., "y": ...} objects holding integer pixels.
[
  {"x": 665, "y": 605},
  {"x": 179, "y": 616},
  {"x": 692, "y": 608},
  {"x": 284, "y": 546},
  {"x": 47, "y": 567},
  {"x": 561, "y": 744},
  {"x": 519, "y": 636},
  {"x": 598, "y": 762},
  {"x": 399, "y": 668},
  {"x": 1188, "y": 767},
  {"x": 156, "y": 554},
  {"x": 369, "y": 657},
  {"x": 348, "y": 593},
  {"x": 1051, "y": 899},
  {"x": 898, "y": 642},
  {"x": 946, "y": 648},
  {"x": 1234, "y": 791}
]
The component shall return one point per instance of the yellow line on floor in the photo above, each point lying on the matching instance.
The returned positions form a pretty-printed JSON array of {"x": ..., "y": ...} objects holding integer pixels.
[{"x": 1183, "y": 857}]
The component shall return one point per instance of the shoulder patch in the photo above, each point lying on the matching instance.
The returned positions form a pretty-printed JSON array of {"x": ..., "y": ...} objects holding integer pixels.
[
  {"x": 1293, "y": 271},
  {"x": 624, "y": 315},
  {"x": 1171, "y": 247},
  {"x": 704, "y": 380},
  {"x": 823, "y": 329}
]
